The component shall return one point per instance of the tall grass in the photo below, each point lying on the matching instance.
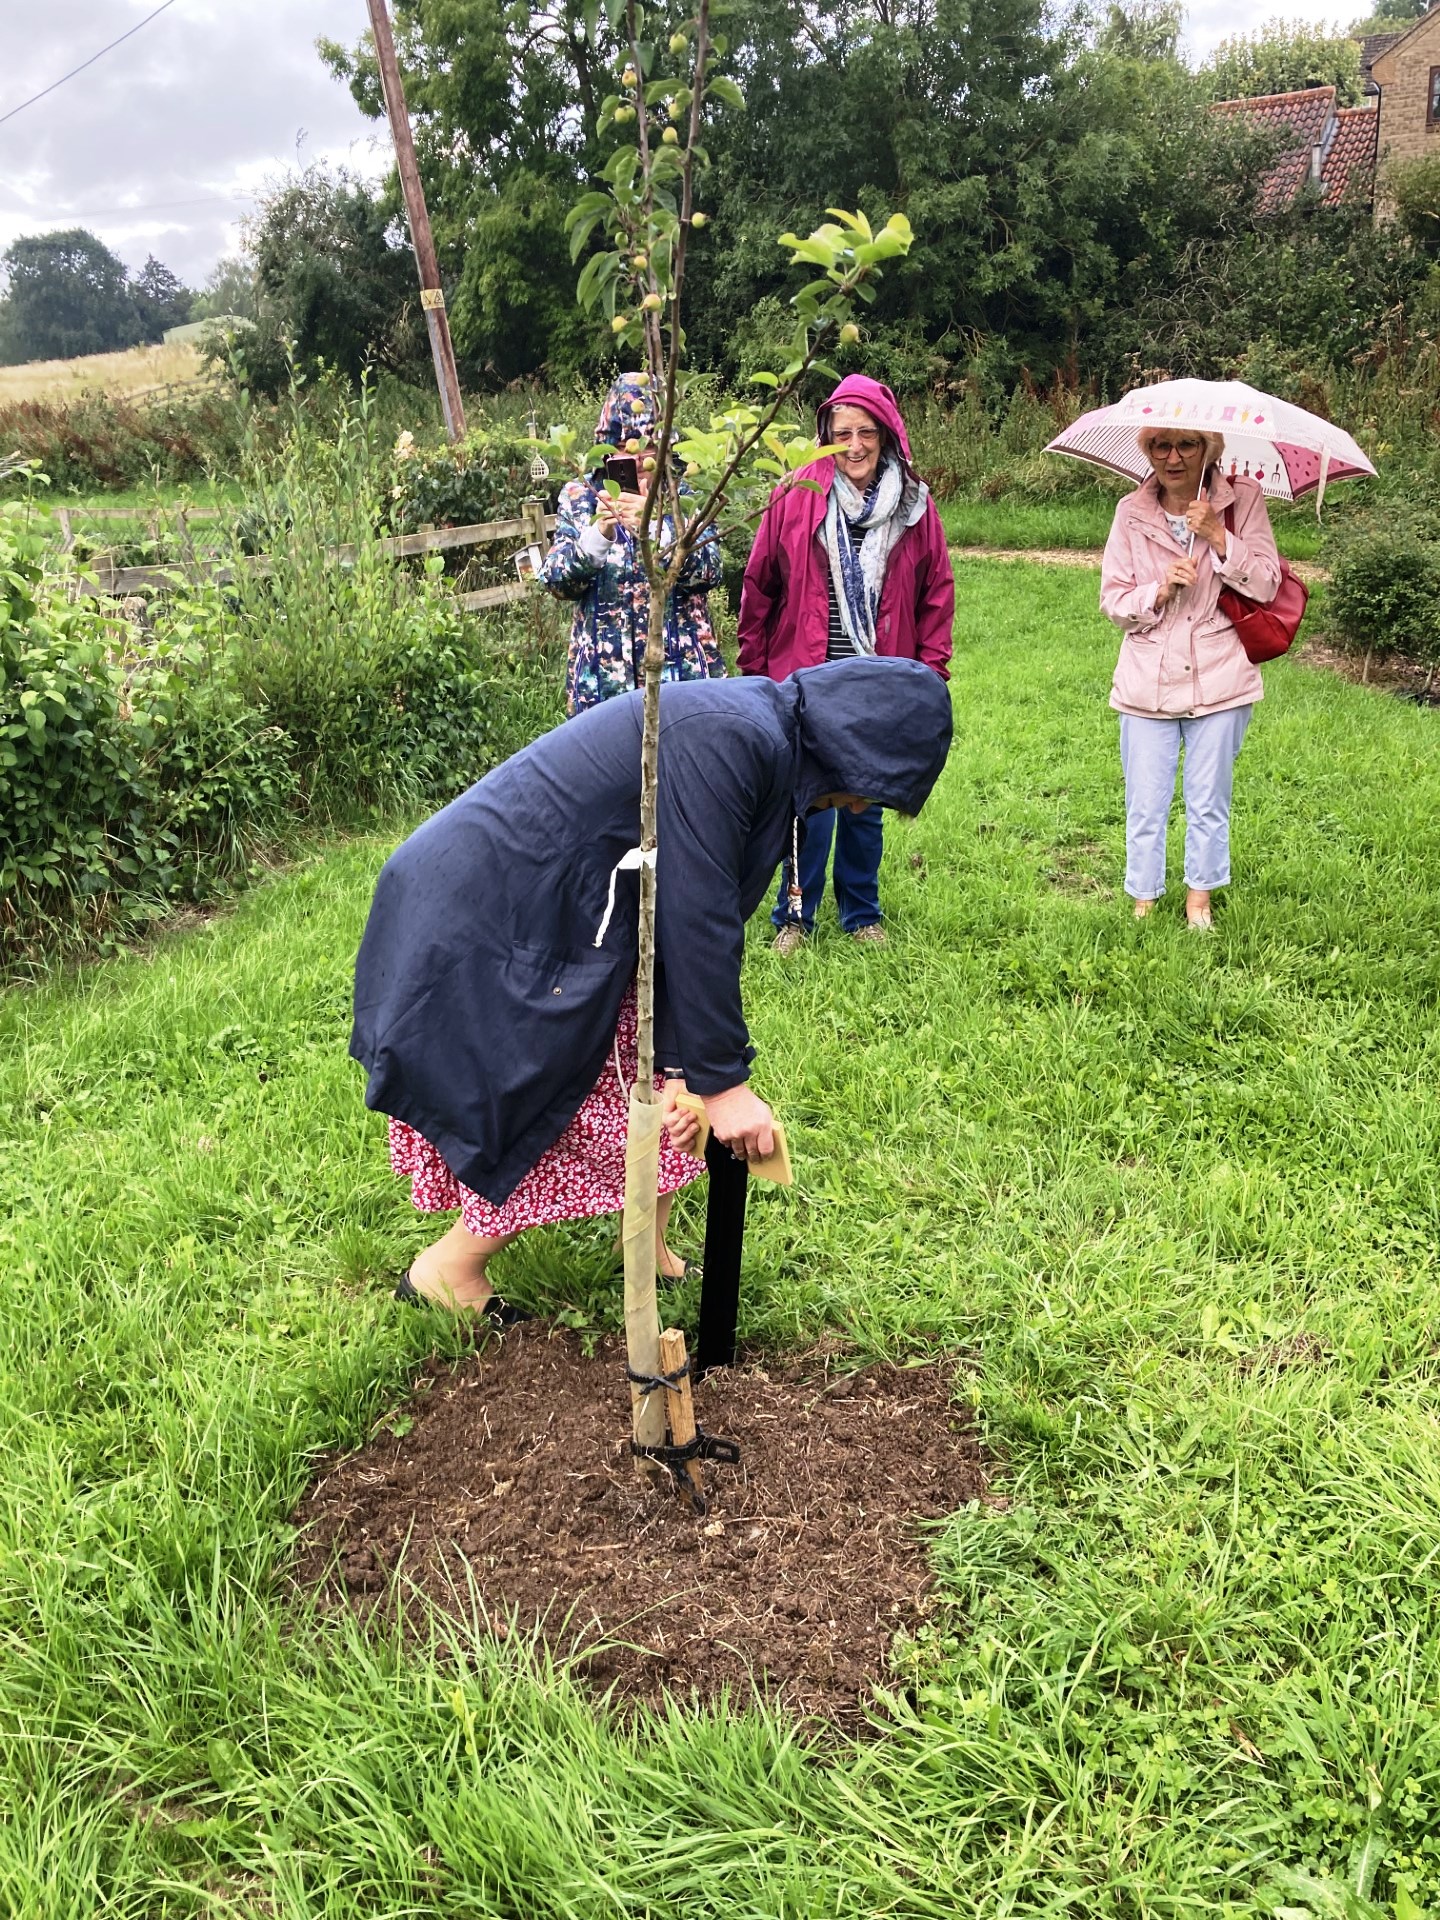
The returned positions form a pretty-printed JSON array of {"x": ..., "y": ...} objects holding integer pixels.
[
  {"x": 130, "y": 372},
  {"x": 1174, "y": 1201}
]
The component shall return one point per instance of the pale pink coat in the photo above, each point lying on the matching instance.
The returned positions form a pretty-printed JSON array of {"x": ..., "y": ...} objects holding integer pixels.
[{"x": 1186, "y": 659}]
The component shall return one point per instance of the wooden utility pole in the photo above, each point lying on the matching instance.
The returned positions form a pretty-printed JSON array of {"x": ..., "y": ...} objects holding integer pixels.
[{"x": 432, "y": 298}]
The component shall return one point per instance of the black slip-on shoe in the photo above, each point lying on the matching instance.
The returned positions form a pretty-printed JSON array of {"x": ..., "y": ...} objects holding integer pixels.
[{"x": 500, "y": 1313}]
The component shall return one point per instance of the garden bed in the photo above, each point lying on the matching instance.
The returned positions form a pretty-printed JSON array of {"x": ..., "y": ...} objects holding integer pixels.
[
  {"x": 512, "y": 1471},
  {"x": 1389, "y": 673}
]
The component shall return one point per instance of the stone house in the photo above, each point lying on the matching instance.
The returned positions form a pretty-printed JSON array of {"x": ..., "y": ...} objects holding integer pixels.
[
  {"x": 1339, "y": 152},
  {"x": 1407, "y": 74}
]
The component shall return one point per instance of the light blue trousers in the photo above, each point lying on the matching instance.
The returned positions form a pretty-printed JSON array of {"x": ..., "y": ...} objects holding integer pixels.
[{"x": 1149, "y": 755}]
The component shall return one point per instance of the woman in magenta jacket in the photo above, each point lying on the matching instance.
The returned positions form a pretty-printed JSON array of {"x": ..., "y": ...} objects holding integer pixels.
[{"x": 854, "y": 563}]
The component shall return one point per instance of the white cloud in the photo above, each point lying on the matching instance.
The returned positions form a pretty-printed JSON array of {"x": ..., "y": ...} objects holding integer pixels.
[
  {"x": 162, "y": 145},
  {"x": 1207, "y": 22}
]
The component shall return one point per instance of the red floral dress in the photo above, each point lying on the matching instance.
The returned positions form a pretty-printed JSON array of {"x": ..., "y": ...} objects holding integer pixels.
[{"x": 582, "y": 1175}]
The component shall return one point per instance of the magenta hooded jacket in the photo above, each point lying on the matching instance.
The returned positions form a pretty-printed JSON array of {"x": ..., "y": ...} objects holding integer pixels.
[{"x": 785, "y": 601}]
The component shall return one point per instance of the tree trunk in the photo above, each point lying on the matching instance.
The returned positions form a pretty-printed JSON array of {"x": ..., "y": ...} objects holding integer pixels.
[{"x": 642, "y": 1316}]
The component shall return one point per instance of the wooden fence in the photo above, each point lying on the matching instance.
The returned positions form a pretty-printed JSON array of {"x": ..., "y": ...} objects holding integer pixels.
[{"x": 532, "y": 527}]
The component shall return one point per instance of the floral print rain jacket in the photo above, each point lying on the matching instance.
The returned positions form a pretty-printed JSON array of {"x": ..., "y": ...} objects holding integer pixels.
[{"x": 607, "y": 640}]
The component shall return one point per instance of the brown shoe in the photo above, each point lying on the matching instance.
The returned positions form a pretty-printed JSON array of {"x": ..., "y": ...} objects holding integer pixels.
[
  {"x": 789, "y": 939},
  {"x": 872, "y": 936}
]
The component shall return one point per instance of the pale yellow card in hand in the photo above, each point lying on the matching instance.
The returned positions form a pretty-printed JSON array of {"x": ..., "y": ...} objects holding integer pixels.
[{"x": 775, "y": 1167}]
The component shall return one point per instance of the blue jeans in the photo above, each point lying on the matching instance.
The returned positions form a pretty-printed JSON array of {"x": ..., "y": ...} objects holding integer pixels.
[
  {"x": 859, "y": 842},
  {"x": 1149, "y": 755}
]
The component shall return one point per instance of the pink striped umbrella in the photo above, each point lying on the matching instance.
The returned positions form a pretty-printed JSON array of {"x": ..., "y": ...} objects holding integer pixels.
[{"x": 1287, "y": 450}]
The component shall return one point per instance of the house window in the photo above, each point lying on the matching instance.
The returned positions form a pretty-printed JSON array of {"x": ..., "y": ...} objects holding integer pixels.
[{"x": 1432, "y": 102}]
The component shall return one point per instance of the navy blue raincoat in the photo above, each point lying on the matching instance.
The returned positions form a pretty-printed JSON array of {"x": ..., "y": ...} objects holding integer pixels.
[{"x": 485, "y": 1009}]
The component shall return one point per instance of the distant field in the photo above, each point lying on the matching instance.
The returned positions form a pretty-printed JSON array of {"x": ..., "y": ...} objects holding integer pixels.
[{"x": 116, "y": 373}]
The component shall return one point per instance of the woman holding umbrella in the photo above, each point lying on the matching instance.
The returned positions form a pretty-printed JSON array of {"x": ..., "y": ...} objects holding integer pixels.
[
  {"x": 1183, "y": 680},
  {"x": 1205, "y": 454}
]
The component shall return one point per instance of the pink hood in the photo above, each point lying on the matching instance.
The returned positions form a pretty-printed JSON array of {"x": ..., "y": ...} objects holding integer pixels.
[
  {"x": 859, "y": 390},
  {"x": 785, "y": 602}
]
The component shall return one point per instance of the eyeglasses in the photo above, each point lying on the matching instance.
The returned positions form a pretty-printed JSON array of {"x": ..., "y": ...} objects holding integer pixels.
[{"x": 1186, "y": 449}]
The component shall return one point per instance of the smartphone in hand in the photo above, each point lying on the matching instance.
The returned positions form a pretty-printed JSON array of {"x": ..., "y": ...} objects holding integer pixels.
[{"x": 624, "y": 470}]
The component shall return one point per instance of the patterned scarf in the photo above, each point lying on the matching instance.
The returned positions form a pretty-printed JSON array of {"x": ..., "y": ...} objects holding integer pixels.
[{"x": 861, "y": 532}]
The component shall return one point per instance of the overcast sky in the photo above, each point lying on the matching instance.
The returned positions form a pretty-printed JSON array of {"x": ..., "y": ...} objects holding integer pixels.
[{"x": 162, "y": 144}]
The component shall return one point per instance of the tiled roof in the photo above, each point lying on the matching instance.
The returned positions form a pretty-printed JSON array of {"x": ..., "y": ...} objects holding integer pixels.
[
  {"x": 1304, "y": 118},
  {"x": 1374, "y": 44},
  {"x": 1351, "y": 151}
]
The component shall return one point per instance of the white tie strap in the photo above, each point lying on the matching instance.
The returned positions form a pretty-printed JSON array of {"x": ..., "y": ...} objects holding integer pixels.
[{"x": 627, "y": 863}]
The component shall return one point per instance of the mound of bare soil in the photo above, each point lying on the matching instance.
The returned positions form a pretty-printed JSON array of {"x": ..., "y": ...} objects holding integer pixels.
[
  {"x": 1395, "y": 673},
  {"x": 515, "y": 1463}
]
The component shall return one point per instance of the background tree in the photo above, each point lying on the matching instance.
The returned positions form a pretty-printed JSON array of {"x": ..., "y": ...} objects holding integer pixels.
[
  {"x": 66, "y": 294},
  {"x": 1042, "y": 167},
  {"x": 1018, "y": 139},
  {"x": 504, "y": 98},
  {"x": 229, "y": 289},
  {"x": 1390, "y": 16},
  {"x": 161, "y": 301},
  {"x": 1281, "y": 57},
  {"x": 334, "y": 282},
  {"x": 1080, "y": 213},
  {"x": 1413, "y": 190}
]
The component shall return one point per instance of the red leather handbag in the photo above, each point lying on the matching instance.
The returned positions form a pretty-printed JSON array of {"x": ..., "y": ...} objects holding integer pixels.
[{"x": 1266, "y": 630}]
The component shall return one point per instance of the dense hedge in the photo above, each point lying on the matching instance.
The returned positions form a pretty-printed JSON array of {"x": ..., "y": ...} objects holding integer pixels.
[
  {"x": 100, "y": 441},
  {"x": 144, "y": 762},
  {"x": 128, "y": 779}
]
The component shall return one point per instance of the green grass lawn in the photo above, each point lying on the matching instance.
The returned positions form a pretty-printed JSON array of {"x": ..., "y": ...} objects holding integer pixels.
[
  {"x": 166, "y": 496},
  {"x": 1083, "y": 520},
  {"x": 1174, "y": 1200},
  {"x": 1079, "y": 520}
]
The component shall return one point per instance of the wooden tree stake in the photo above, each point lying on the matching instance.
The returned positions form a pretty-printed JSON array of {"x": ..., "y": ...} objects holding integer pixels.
[
  {"x": 642, "y": 1318},
  {"x": 680, "y": 1403}
]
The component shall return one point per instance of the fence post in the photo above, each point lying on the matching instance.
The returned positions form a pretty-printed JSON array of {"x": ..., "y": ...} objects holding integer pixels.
[{"x": 532, "y": 512}]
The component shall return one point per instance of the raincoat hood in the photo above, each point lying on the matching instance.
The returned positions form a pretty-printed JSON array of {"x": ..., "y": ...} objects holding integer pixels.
[
  {"x": 628, "y": 413},
  {"x": 877, "y": 728},
  {"x": 859, "y": 390}
]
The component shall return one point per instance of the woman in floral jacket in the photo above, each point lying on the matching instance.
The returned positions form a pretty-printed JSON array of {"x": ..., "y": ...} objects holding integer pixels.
[{"x": 596, "y": 561}]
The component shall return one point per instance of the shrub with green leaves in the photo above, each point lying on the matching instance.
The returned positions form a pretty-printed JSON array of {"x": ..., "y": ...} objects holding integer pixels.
[
  {"x": 1385, "y": 587},
  {"x": 386, "y": 691},
  {"x": 131, "y": 775},
  {"x": 484, "y": 477},
  {"x": 385, "y": 699}
]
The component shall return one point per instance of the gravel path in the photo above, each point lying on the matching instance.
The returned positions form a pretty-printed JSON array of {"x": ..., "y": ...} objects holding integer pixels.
[{"x": 1089, "y": 557}]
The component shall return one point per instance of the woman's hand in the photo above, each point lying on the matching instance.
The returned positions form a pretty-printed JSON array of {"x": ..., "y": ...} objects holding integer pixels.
[
  {"x": 628, "y": 509},
  {"x": 1205, "y": 523},
  {"x": 740, "y": 1120},
  {"x": 681, "y": 1125},
  {"x": 606, "y": 517},
  {"x": 1182, "y": 574}
]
